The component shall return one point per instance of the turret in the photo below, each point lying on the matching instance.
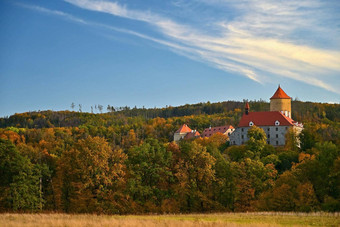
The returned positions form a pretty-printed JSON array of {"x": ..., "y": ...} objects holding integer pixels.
[
  {"x": 246, "y": 108},
  {"x": 280, "y": 101}
]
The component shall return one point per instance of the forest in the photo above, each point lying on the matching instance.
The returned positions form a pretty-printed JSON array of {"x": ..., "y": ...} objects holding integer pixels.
[{"x": 124, "y": 162}]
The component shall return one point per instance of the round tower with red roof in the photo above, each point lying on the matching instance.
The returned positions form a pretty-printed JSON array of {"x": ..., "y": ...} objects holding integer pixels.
[{"x": 280, "y": 101}]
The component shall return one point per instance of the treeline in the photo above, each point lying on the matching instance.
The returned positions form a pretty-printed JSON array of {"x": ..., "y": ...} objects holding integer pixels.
[
  {"x": 68, "y": 170},
  {"x": 124, "y": 162},
  {"x": 113, "y": 163},
  {"x": 302, "y": 111}
]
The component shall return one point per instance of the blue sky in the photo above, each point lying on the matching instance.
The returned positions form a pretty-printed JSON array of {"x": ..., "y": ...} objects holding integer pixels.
[{"x": 157, "y": 53}]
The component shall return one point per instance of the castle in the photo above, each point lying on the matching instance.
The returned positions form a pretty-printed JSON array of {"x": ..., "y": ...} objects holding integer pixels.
[
  {"x": 184, "y": 132},
  {"x": 275, "y": 122}
]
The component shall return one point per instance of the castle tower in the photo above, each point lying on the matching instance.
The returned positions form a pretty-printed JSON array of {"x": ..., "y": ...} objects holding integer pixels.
[
  {"x": 280, "y": 101},
  {"x": 246, "y": 108}
]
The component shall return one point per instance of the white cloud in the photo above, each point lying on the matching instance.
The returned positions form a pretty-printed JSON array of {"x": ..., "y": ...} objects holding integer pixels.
[{"x": 257, "y": 43}]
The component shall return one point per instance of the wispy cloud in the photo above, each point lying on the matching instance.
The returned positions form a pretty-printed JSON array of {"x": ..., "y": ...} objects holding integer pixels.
[
  {"x": 53, "y": 12},
  {"x": 180, "y": 49},
  {"x": 265, "y": 41}
]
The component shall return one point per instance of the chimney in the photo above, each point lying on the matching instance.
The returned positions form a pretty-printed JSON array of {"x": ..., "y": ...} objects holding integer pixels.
[{"x": 246, "y": 108}]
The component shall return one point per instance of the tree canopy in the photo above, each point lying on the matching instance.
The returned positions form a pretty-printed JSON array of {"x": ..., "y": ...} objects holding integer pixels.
[{"x": 125, "y": 161}]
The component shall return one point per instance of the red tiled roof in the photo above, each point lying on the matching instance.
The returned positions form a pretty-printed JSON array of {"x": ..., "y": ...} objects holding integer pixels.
[
  {"x": 265, "y": 119},
  {"x": 210, "y": 131},
  {"x": 280, "y": 94},
  {"x": 191, "y": 135},
  {"x": 183, "y": 129}
]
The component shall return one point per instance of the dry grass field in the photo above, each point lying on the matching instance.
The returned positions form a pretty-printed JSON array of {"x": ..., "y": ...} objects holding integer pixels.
[{"x": 187, "y": 220}]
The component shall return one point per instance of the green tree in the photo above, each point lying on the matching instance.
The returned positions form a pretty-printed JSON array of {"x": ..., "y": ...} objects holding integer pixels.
[
  {"x": 286, "y": 160},
  {"x": 150, "y": 174},
  {"x": 291, "y": 138},
  {"x": 223, "y": 186},
  {"x": 19, "y": 185},
  {"x": 282, "y": 196},
  {"x": 257, "y": 140},
  {"x": 307, "y": 138},
  {"x": 237, "y": 153}
]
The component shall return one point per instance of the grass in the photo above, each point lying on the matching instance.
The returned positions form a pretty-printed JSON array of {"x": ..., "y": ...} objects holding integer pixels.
[{"x": 184, "y": 220}]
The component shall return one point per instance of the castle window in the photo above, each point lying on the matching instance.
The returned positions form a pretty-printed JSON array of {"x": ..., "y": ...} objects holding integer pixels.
[
  {"x": 251, "y": 123},
  {"x": 242, "y": 136},
  {"x": 277, "y": 136},
  {"x": 277, "y": 129},
  {"x": 268, "y": 129},
  {"x": 242, "y": 130},
  {"x": 277, "y": 123},
  {"x": 277, "y": 142},
  {"x": 268, "y": 136}
]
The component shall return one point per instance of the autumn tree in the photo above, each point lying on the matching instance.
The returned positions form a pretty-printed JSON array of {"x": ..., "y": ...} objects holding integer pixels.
[
  {"x": 64, "y": 151},
  {"x": 130, "y": 139},
  {"x": 306, "y": 200},
  {"x": 251, "y": 179},
  {"x": 196, "y": 175},
  {"x": 88, "y": 175}
]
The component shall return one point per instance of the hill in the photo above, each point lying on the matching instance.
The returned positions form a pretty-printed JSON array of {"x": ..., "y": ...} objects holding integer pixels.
[{"x": 124, "y": 162}]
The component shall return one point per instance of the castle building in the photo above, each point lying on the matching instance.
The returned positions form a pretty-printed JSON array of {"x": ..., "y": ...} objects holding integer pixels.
[
  {"x": 275, "y": 122},
  {"x": 184, "y": 132},
  {"x": 225, "y": 130},
  {"x": 280, "y": 101}
]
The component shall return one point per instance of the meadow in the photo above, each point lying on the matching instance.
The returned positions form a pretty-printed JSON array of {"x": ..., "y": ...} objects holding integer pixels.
[{"x": 187, "y": 220}]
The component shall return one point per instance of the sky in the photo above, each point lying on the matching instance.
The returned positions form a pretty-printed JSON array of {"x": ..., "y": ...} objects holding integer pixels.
[{"x": 156, "y": 53}]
